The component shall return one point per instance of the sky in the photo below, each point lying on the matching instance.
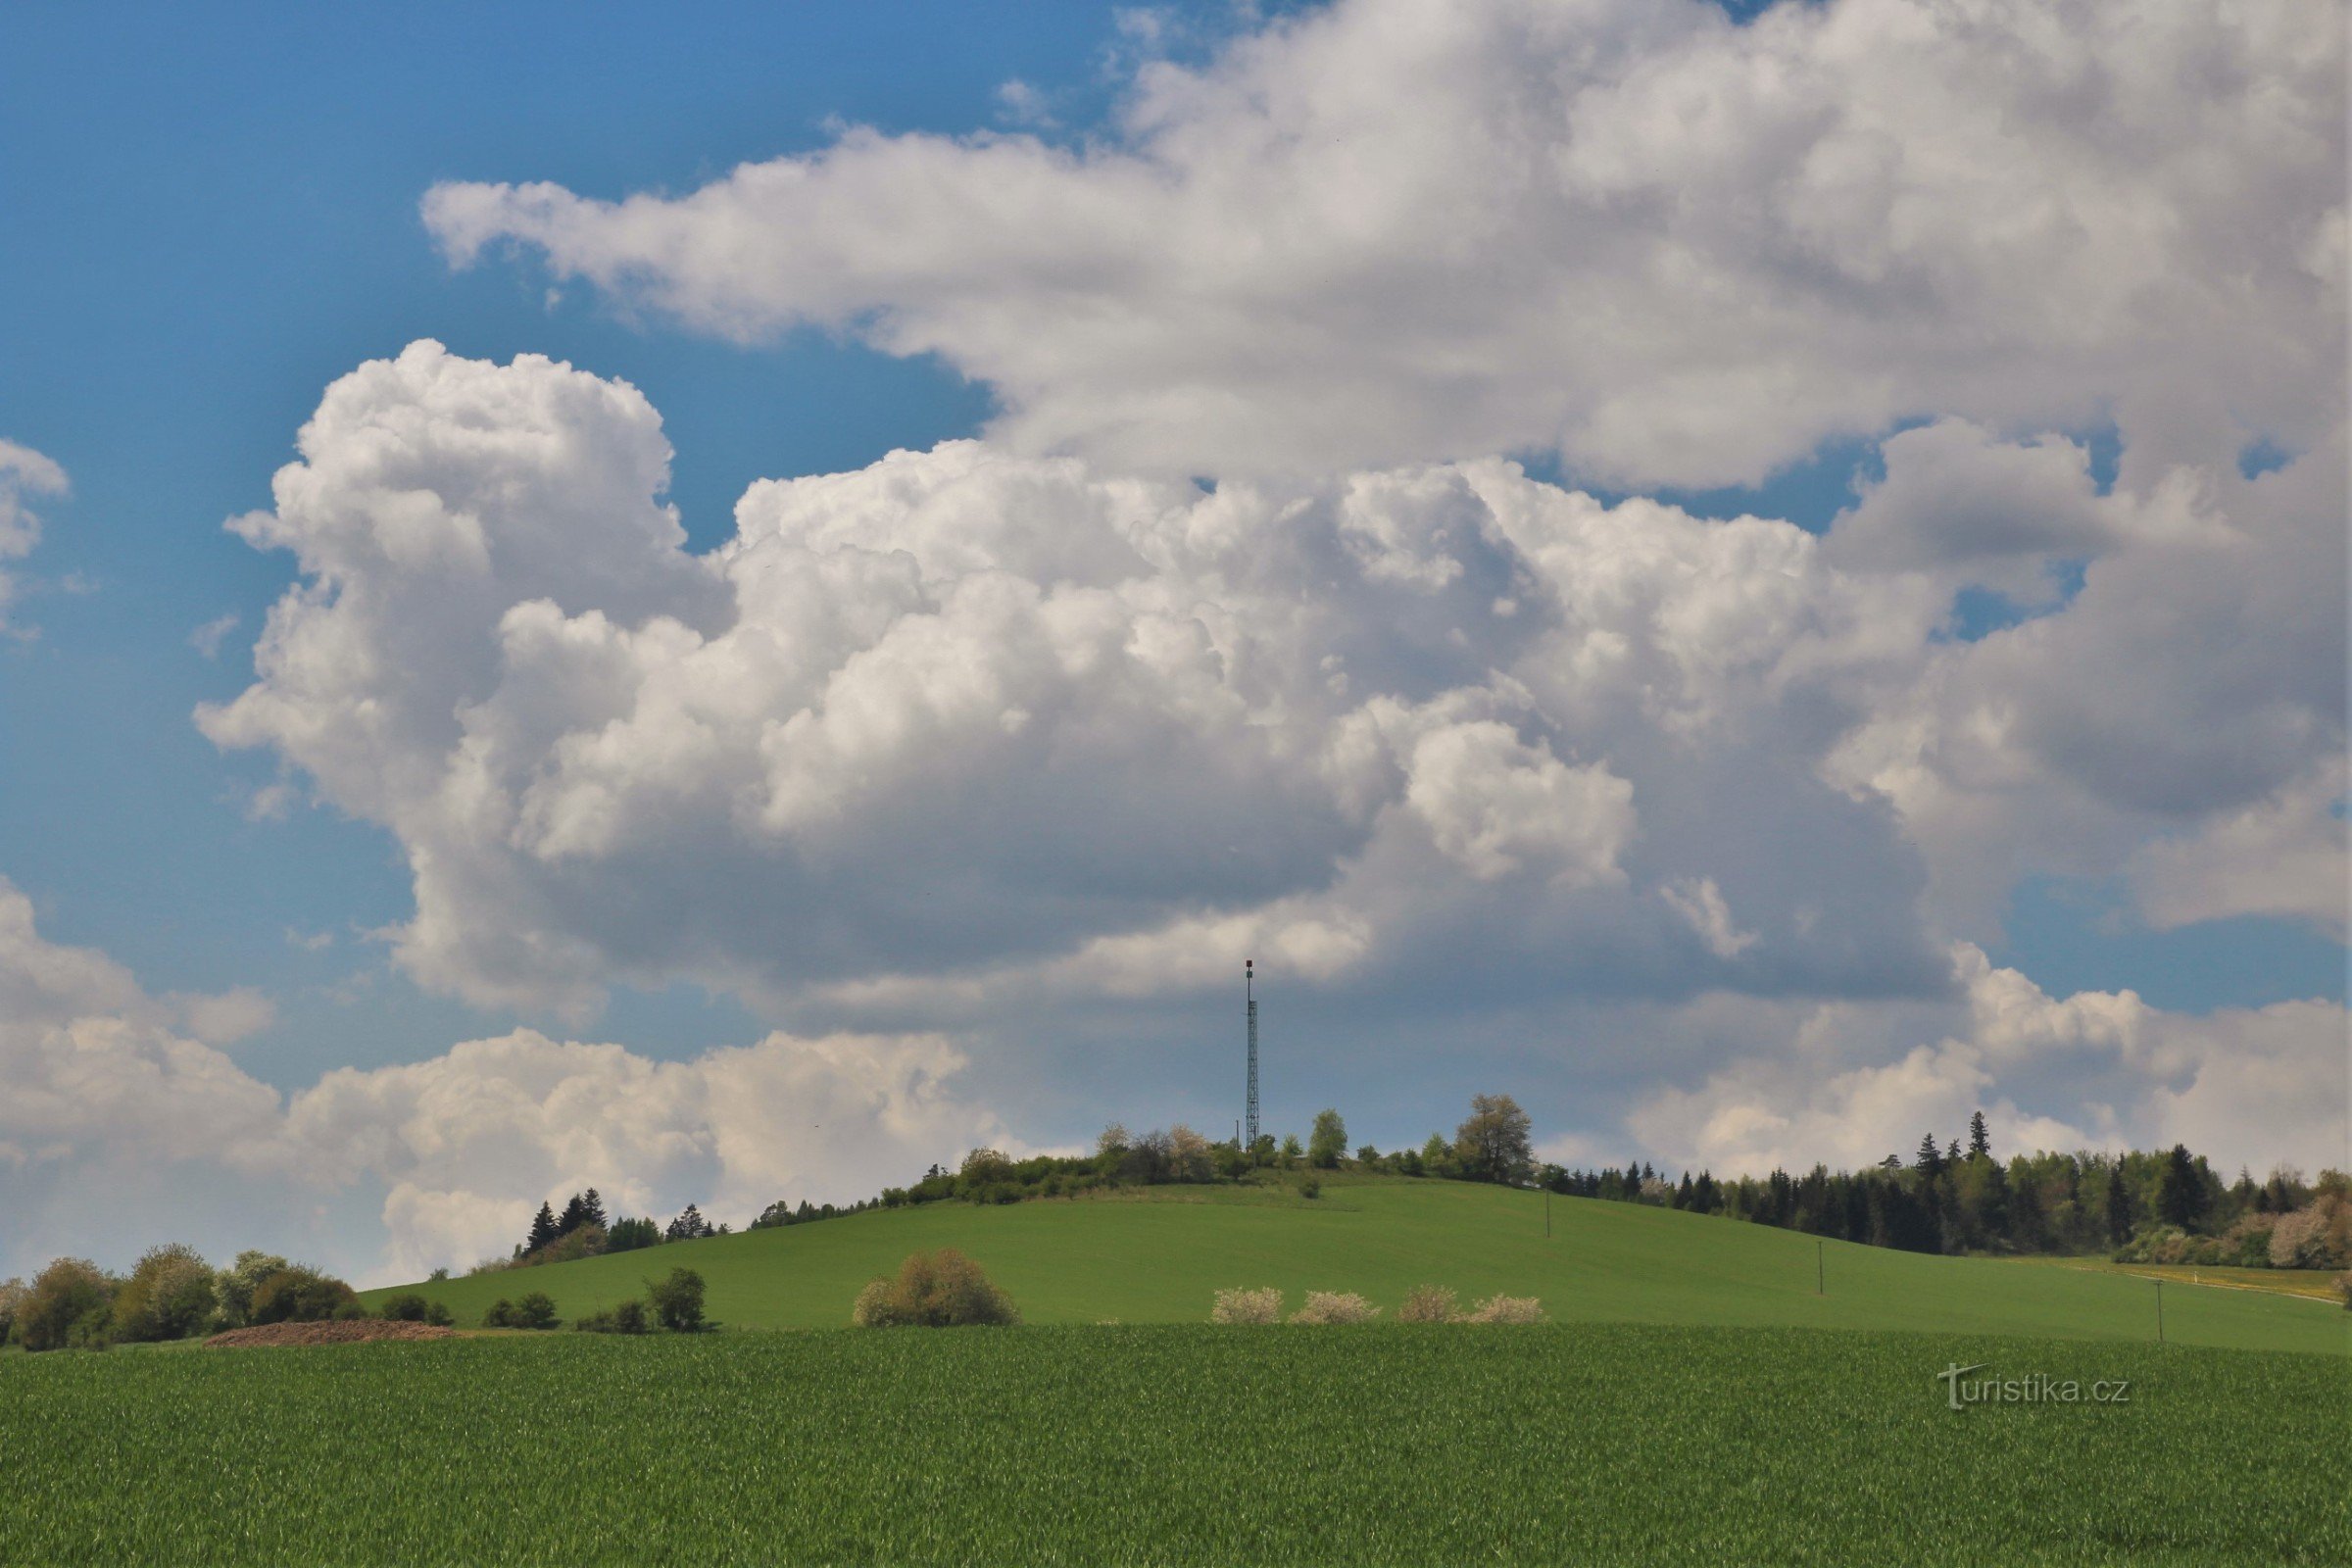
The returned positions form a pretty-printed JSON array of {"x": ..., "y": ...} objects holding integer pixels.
[{"x": 726, "y": 605}]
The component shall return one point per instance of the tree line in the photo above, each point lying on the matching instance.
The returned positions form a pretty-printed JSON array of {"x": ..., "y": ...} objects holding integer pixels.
[{"x": 2149, "y": 1206}]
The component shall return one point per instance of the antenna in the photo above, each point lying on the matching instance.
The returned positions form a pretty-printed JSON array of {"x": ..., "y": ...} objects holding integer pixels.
[{"x": 1249, "y": 994}]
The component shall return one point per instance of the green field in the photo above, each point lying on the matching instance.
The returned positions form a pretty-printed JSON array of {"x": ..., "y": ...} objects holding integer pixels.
[
  {"x": 1159, "y": 1258},
  {"x": 1387, "y": 1444}
]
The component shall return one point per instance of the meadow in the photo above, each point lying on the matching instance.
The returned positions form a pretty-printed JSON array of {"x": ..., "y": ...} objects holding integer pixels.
[
  {"x": 1173, "y": 1444},
  {"x": 1158, "y": 1256}
]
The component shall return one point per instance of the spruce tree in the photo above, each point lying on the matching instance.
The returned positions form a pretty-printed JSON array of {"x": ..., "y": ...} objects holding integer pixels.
[
  {"x": 2119, "y": 1206},
  {"x": 543, "y": 1229},
  {"x": 1979, "y": 1146},
  {"x": 593, "y": 1207},
  {"x": 1930, "y": 1160},
  {"x": 2180, "y": 1192},
  {"x": 575, "y": 1215}
]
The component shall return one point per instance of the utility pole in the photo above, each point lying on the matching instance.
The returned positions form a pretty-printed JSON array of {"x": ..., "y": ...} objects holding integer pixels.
[{"x": 1250, "y": 995}]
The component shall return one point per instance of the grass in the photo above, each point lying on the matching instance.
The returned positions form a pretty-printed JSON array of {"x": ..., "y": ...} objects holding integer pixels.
[
  {"x": 1173, "y": 1444},
  {"x": 1160, "y": 1259}
]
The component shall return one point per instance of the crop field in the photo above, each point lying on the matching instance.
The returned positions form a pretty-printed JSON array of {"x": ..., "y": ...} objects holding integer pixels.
[
  {"x": 1173, "y": 1444},
  {"x": 1159, "y": 1260}
]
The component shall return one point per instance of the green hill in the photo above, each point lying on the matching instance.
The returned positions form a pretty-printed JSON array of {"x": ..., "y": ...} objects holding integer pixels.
[{"x": 1160, "y": 1254}]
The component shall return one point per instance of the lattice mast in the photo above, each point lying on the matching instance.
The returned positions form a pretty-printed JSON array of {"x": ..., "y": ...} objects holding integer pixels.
[{"x": 1250, "y": 994}]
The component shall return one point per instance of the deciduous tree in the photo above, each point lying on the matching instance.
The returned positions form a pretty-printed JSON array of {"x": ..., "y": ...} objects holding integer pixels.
[
  {"x": 1327, "y": 1141},
  {"x": 1495, "y": 1144}
]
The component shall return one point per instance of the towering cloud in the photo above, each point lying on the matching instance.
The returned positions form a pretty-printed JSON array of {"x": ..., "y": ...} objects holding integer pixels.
[{"x": 964, "y": 709}]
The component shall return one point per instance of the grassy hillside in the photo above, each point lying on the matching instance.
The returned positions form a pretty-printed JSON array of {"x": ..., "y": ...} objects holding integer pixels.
[
  {"x": 1160, "y": 1256},
  {"x": 1174, "y": 1443}
]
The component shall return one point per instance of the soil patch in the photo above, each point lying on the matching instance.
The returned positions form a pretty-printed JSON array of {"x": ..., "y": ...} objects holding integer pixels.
[{"x": 358, "y": 1330}]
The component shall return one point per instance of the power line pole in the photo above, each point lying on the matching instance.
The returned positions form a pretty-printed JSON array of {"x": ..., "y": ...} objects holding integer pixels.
[{"x": 1250, "y": 994}]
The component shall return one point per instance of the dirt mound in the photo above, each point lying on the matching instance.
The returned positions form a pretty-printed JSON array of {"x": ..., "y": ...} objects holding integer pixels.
[{"x": 356, "y": 1332}]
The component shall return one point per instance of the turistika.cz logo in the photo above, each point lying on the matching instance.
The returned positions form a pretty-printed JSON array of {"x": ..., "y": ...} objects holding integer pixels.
[{"x": 2035, "y": 1387}]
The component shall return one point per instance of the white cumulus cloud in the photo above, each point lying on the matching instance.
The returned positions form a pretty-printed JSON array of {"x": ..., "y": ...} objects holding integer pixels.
[
  {"x": 118, "y": 1130},
  {"x": 1675, "y": 249},
  {"x": 23, "y": 473}
]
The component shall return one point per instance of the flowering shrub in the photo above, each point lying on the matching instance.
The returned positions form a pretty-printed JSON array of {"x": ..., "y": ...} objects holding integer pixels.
[
  {"x": 1248, "y": 1306},
  {"x": 1427, "y": 1304},
  {"x": 1332, "y": 1306},
  {"x": 1506, "y": 1309}
]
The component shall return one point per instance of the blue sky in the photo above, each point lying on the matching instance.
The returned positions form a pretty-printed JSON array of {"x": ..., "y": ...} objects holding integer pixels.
[{"x": 214, "y": 215}]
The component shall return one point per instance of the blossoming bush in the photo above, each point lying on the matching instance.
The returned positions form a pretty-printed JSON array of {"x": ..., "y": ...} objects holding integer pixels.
[
  {"x": 1332, "y": 1306},
  {"x": 1248, "y": 1306}
]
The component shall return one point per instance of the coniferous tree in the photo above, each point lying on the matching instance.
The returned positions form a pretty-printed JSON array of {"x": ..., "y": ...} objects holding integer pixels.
[
  {"x": 2180, "y": 1191},
  {"x": 2119, "y": 1206},
  {"x": 1930, "y": 1160},
  {"x": 574, "y": 1215},
  {"x": 543, "y": 1228},
  {"x": 1980, "y": 1144},
  {"x": 592, "y": 1207},
  {"x": 1951, "y": 1153}
]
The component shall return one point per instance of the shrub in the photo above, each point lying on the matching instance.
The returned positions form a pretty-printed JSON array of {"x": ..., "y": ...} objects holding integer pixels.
[
  {"x": 586, "y": 1241},
  {"x": 63, "y": 1302},
  {"x": 1427, "y": 1304},
  {"x": 440, "y": 1317},
  {"x": 1310, "y": 1187},
  {"x": 677, "y": 1300},
  {"x": 1248, "y": 1306},
  {"x": 1189, "y": 1157},
  {"x": 12, "y": 1301},
  {"x": 982, "y": 1167},
  {"x": 933, "y": 1290},
  {"x": 299, "y": 1294},
  {"x": 536, "y": 1310},
  {"x": 234, "y": 1285},
  {"x": 1334, "y": 1306},
  {"x": 2318, "y": 1234},
  {"x": 501, "y": 1315},
  {"x": 871, "y": 1309},
  {"x": 626, "y": 1318},
  {"x": 2344, "y": 1287},
  {"x": 168, "y": 1295},
  {"x": 1506, "y": 1309},
  {"x": 405, "y": 1307}
]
